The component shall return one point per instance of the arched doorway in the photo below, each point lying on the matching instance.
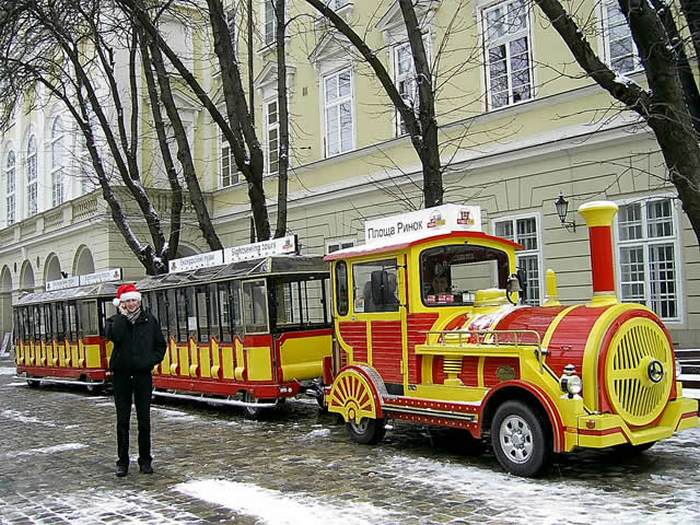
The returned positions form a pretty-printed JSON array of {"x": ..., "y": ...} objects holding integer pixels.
[
  {"x": 26, "y": 277},
  {"x": 5, "y": 301},
  {"x": 83, "y": 263},
  {"x": 52, "y": 268}
]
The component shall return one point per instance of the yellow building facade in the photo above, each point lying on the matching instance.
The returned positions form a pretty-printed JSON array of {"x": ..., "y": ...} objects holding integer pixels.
[{"x": 518, "y": 126}]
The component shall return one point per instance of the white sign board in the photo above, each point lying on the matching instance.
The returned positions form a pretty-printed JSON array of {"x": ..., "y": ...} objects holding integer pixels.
[
  {"x": 262, "y": 249},
  {"x": 448, "y": 217},
  {"x": 194, "y": 262},
  {"x": 62, "y": 284},
  {"x": 113, "y": 274}
]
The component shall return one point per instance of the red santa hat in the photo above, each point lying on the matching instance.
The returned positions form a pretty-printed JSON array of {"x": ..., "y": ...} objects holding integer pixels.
[{"x": 126, "y": 292}]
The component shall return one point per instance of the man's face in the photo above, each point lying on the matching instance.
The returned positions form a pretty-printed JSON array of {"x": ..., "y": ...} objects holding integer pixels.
[{"x": 131, "y": 304}]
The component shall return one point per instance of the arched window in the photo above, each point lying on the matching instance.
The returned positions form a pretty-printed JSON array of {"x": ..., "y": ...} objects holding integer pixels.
[
  {"x": 57, "y": 162},
  {"x": 31, "y": 177},
  {"x": 10, "y": 187}
]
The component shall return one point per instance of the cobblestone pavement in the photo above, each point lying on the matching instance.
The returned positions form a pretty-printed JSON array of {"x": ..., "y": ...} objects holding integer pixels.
[{"x": 57, "y": 447}]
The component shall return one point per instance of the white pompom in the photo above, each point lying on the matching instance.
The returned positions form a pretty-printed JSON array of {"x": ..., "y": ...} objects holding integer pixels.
[{"x": 116, "y": 302}]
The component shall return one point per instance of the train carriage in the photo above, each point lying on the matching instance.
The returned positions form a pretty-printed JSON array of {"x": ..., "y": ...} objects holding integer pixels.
[
  {"x": 250, "y": 333},
  {"x": 59, "y": 334},
  {"x": 430, "y": 329}
]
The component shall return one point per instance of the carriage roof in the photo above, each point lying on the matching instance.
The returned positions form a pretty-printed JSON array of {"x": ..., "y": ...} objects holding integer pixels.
[
  {"x": 90, "y": 291},
  {"x": 268, "y": 266}
]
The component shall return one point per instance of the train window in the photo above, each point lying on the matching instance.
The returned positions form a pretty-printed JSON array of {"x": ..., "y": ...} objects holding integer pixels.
[
  {"x": 214, "y": 312},
  {"x": 39, "y": 323},
  {"x": 223, "y": 292},
  {"x": 186, "y": 319},
  {"x": 72, "y": 322},
  {"x": 60, "y": 322},
  {"x": 300, "y": 303},
  {"x": 202, "y": 313},
  {"x": 46, "y": 321},
  {"x": 451, "y": 274},
  {"x": 87, "y": 313},
  {"x": 341, "y": 288},
  {"x": 171, "y": 304},
  {"x": 161, "y": 305},
  {"x": 287, "y": 304},
  {"x": 255, "y": 307},
  {"x": 25, "y": 324},
  {"x": 375, "y": 286}
]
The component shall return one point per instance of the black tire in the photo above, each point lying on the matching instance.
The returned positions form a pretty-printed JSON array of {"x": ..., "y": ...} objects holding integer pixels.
[
  {"x": 367, "y": 431},
  {"x": 33, "y": 383},
  {"x": 520, "y": 439},
  {"x": 92, "y": 388}
]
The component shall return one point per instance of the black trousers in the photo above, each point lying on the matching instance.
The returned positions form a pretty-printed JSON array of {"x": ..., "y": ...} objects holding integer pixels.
[{"x": 136, "y": 386}]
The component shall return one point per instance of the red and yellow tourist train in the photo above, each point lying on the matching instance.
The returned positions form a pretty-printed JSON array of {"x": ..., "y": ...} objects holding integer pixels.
[{"x": 427, "y": 322}]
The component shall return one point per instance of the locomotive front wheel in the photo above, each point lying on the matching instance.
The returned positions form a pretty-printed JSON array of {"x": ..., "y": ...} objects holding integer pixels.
[
  {"x": 519, "y": 439},
  {"x": 367, "y": 432}
]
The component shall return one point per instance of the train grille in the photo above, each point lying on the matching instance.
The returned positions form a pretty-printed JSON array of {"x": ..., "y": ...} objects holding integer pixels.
[{"x": 639, "y": 371}]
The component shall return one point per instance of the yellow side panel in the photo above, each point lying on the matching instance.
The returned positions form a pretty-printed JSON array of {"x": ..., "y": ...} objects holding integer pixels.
[
  {"x": 215, "y": 361},
  {"x": 240, "y": 361},
  {"x": 259, "y": 365},
  {"x": 204, "y": 361},
  {"x": 194, "y": 358},
  {"x": 184, "y": 359},
  {"x": 302, "y": 357},
  {"x": 165, "y": 363},
  {"x": 227, "y": 362},
  {"x": 75, "y": 359},
  {"x": 92, "y": 355}
]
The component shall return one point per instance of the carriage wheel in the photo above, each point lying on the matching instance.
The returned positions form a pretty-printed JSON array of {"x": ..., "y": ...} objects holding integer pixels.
[
  {"x": 92, "y": 388},
  {"x": 352, "y": 396},
  {"x": 33, "y": 383},
  {"x": 249, "y": 411}
]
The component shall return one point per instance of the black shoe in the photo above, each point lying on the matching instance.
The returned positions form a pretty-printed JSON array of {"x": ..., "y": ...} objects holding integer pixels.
[
  {"x": 146, "y": 468},
  {"x": 121, "y": 471}
]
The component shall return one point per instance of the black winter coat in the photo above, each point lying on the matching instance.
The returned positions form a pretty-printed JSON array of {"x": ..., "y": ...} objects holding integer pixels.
[{"x": 137, "y": 347}]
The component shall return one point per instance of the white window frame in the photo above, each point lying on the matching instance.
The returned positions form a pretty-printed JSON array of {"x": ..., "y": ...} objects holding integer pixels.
[
  {"x": 234, "y": 174},
  {"x": 605, "y": 38},
  {"x": 57, "y": 141},
  {"x": 409, "y": 78},
  {"x": 338, "y": 102},
  {"x": 645, "y": 242},
  {"x": 269, "y": 127},
  {"x": 10, "y": 188},
  {"x": 505, "y": 41},
  {"x": 513, "y": 219},
  {"x": 32, "y": 172},
  {"x": 269, "y": 33},
  {"x": 341, "y": 243}
]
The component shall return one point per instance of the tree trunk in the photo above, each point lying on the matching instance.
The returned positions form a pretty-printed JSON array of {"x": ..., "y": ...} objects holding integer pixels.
[{"x": 283, "y": 121}]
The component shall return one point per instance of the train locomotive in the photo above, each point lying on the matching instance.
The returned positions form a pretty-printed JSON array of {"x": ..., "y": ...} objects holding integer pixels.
[
  {"x": 429, "y": 329},
  {"x": 425, "y": 323}
]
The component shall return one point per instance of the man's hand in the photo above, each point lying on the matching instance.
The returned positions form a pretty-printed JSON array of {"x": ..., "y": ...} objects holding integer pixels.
[{"x": 122, "y": 309}]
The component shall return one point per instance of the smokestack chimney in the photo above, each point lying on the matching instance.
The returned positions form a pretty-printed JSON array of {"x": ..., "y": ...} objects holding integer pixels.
[{"x": 599, "y": 216}]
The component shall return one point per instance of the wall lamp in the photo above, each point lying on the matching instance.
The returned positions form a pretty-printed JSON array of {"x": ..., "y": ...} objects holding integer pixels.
[{"x": 562, "y": 206}]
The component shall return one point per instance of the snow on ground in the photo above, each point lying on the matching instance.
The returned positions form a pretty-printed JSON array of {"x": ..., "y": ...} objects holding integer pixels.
[
  {"x": 14, "y": 384},
  {"x": 279, "y": 508},
  {"x": 318, "y": 433},
  {"x": 175, "y": 415},
  {"x": 7, "y": 371},
  {"x": 46, "y": 450},
  {"x": 551, "y": 501},
  {"x": 23, "y": 418}
]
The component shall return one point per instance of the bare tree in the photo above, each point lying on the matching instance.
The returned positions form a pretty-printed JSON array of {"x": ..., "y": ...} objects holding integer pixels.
[
  {"x": 423, "y": 127},
  {"x": 669, "y": 104}
]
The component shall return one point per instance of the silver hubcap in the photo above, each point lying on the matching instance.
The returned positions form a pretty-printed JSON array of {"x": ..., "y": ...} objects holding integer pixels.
[
  {"x": 361, "y": 427},
  {"x": 516, "y": 439}
]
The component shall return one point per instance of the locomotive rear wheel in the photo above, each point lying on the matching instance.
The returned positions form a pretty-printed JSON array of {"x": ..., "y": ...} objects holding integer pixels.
[
  {"x": 519, "y": 439},
  {"x": 367, "y": 431}
]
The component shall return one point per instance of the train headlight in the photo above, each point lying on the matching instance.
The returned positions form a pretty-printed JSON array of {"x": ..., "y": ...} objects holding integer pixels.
[{"x": 569, "y": 382}]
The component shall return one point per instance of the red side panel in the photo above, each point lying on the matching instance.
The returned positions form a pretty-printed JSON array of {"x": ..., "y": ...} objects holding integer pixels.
[
  {"x": 494, "y": 364},
  {"x": 470, "y": 371},
  {"x": 532, "y": 318},
  {"x": 354, "y": 333},
  {"x": 438, "y": 370},
  {"x": 570, "y": 338},
  {"x": 418, "y": 326},
  {"x": 386, "y": 350}
]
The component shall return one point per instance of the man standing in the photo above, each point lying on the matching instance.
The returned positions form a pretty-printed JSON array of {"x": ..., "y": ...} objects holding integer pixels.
[{"x": 139, "y": 345}]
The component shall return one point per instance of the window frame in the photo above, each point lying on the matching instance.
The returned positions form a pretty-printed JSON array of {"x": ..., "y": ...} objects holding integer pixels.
[
  {"x": 513, "y": 219},
  {"x": 10, "y": 188},
  {"x": 233, "y": 173},
  {"x": 269, "y": 38},
  {"x": 528, "y": 33},
  {"x": 340, "y": 243},
  {"x": 32, "y": 172},
  {"x": 244, "y": 311},
  {"x": 268, "y": 129},
  {"x": 385, "y": 262},
  {"x": 337, "y": 103},
  {"x": 605, "y": 40},
  {"x": 57, "y": 141},
  {"x": 645, "y": 242}
]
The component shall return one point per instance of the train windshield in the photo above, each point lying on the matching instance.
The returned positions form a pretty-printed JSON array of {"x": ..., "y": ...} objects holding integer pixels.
[{"x": 451, "y": 274}]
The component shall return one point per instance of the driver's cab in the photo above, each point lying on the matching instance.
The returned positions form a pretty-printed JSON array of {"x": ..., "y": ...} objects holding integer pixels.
[{"x": 400, "y": 285}]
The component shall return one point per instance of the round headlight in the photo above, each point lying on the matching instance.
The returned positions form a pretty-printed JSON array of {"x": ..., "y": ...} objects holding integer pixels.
[{"x": 574, "y": 385}]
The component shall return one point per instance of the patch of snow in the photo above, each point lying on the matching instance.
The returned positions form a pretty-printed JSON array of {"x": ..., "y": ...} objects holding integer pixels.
[
  {"x": 7, "y": 371},
  {"x": 15, "y": 384},
  {"x": 22, "y": 418},
  {"x": 318, "y": 433},
  {"x": 557, "y": 500},
  {"x": 278, "y": 508},
  {"x": 47, "y": 450},
  {"x": 175, "y": 415}
]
